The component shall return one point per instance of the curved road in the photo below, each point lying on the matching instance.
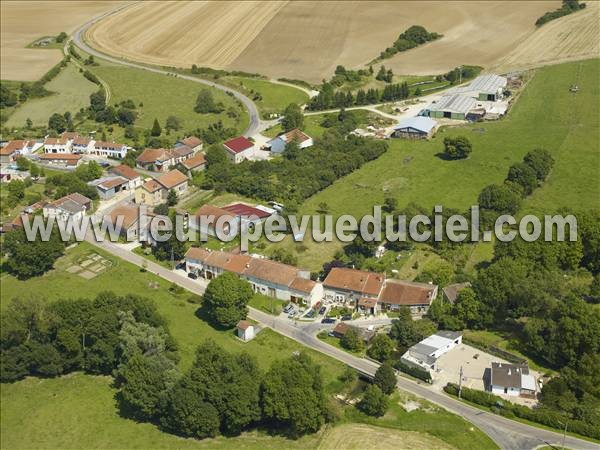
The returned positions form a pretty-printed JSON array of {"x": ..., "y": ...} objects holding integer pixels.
[
  {"x": 508, "y": 434},
  {"x": 255, "y": 125}
]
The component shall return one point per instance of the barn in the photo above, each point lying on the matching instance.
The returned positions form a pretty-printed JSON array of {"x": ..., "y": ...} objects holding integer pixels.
[
  {"x": 415, "y": 128},
  {"x": 455, "y": 106}
]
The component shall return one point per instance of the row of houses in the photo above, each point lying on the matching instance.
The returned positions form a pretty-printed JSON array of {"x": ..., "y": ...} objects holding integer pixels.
[
  {"x": 364, "y": 291},
  {"x": 73, "y": 143},
  {"x": 184, "y": 152}
]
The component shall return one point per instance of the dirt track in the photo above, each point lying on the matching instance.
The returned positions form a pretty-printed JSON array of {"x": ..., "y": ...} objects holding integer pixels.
[
  {"x": 307, "y": 40},
  {"x": 25, "y": 21}
]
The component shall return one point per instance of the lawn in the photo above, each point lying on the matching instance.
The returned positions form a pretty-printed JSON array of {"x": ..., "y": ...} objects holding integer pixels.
[
  {"x": 79, "y": 410},
  {"x": 267, "y": 304},
  {"x": 72, "y": 92},
  {"x": 272, "y": 98}
]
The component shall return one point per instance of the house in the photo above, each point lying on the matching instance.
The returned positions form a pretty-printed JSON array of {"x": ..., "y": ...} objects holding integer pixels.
[
  {"x": 10, "y": 151},
  {"x": 194, "y": 164},
  {"x": 277, "y": 145},
  {"x": 425, "y": 354},
  {"x": 451, "y": 291},
  {"x": 155, "y": 159},
  {"x": 66, "y": 160},
  {"x": 156, "y": 191},
  {"x": 13, "y": 149},
  {"x": 208, "y": 219},
  {"x": 416, "y": 296},
  {"x": 415, "y": 128},
  {"x": 340, "y": 330},
  {"x": 512, "y": 380},
  {"x": 57, "y": 145},
  {"x": 128, "y": 214},
  {"x": 108, "y": 187},
  {"x": 452, "y": 106},
  {"x": 346, "y": 286},
  {"x": 81, "y": 144},
  {"x": 134, "y": 178},
  {"x": 174, "y": 180},
  {"x": 72, "y": 206},
  {"x": 270, "y": 278},
  {"x": 249, "y": 214},
  {"x": 193, "y": 142},
  {"x": 149, "y": 193},
  {"x": 109, "y": 149},
  {"x": 239, "y": 149},
  {"x": 182, "y": 153},
  {"x": 245, "y": 330}
]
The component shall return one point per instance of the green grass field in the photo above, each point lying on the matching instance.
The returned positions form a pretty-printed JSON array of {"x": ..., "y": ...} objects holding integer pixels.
[
  {"x": 546, "y": 115},
  {"x": 164, "y": 95},
  {"x": 79, "y": 411},
  {"x": 273, "y": 97},
  {"x": 72, "y": 92}
]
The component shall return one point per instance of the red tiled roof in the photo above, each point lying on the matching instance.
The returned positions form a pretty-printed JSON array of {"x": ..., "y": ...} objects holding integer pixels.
[
  {"x": 111, "y": 183},
  {"x": 171, "y": 179},
  {"x": 12, "y": 147},
  {"x": 242, "y": 210},
  {"x": 295, "y": 134},
  {"x": 369, "y": 283},
  {"x": 238, "y": 144},
  {"x": 243, "y": 325},
  {"x": 125, "y": 171},
  {"x": 191, "y": 141},
  {"x": 193, "y": 162},
  {"x": 60, "y": 157},
  {"x": 108, "y": 145},
  {"x": 303, "y": 285},
  {"x": 407, "y": 293},
  {"x": 56, "y": 141},
  {"x": 152, "y": 186}
]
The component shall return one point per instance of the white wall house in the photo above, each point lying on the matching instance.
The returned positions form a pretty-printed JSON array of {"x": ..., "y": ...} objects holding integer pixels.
[
  {"x": 57, "y": 145},
  {"x": 425, "y": 354},
  {"x": 239, "y": 148},
  {"x": 109, "y": 149},
  {"x": 72, "y": 206},
  {"x": 512, "y": 380},
  {"x": 277, "y": 144}
]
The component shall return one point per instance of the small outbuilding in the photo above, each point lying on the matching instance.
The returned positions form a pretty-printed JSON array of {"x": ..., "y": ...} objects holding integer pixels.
[
  {"x": 415, "y": 128},
  {"x": 245, "y": 330},
  {"x": 277, "y": 145}
]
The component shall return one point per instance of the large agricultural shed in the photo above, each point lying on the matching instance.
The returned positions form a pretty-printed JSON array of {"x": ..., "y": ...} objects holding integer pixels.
[
  {"x": 489, "y": 87},
  {"x": 453, "y": 106},
  {"x": 415, "y": 128}
]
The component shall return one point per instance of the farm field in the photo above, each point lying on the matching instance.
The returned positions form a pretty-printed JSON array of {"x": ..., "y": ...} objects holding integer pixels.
[
  {"x": 546, "y": 115},
  {"x": 307, "y": 40},
  {"x": 24, "y": 22},
  {"x": 570, "y": 38},
  {"x": 30, "y": 417},
  {"x": 72, "y": 92}
]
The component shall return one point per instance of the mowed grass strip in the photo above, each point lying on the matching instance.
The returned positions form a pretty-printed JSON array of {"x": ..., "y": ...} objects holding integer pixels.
[{"x": 71, "y": 93}]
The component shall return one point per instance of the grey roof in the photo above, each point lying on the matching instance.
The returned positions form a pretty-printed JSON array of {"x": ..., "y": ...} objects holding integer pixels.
[
  {"x": 489, "y": 83},
  {"x": 70, "y": 206},
  {"x": 449, "y": 334},
  {"x": 424, "y": 124},
  {"x": 452, "y": 290},
  {"x": 455, "y": 103},
  {"x": 507, "y": 375}
]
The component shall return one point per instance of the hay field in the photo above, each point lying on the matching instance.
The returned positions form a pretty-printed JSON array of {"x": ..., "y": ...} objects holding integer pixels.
[
  {"x": 182, "y": 33},
  {"x": 573, "y": 37},
  {"x": 306, "y": 40},
  {"x": 22, "y": 22}
]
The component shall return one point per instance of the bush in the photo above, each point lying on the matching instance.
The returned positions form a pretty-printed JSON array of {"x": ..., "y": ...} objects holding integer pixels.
[
  {"x": 374, "y": 402},
  {"x": 412, "y": 371}
]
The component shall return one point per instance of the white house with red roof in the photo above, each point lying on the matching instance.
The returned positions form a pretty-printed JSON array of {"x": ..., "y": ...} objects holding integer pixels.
[
  {"x": 57, "y": 145},
  {"x": 277, "y": 145},
  {"x": 239, "y": 148}
]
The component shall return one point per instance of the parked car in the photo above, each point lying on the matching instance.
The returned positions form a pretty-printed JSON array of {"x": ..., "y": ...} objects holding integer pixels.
[
  {"x": 292, "y": 314},
  {"x": 328, "y": 320},
  {"x": 311, "y": 314},
  {"x": 322, "y": 310},
  {"x": 288, "y": 308},
  {"x": 192, "y": 275},
  {"x": 346, "y": 317}
]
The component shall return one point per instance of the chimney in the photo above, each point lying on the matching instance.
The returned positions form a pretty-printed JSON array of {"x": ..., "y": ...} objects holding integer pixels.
[{"x": 509, "y": 371}]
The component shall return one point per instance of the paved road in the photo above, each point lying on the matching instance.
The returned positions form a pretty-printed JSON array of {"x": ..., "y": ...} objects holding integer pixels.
[
  {"x": 508, "y": 434},
  {"x": 255, "y": 125}
]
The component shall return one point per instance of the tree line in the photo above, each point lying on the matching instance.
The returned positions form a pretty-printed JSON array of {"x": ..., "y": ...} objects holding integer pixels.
[
  {"x": 568, "y": 7},
  {"x": 296, "y": 176},
  {"x": 412, "y": 37},
  {"x": 329, "y": 98}
]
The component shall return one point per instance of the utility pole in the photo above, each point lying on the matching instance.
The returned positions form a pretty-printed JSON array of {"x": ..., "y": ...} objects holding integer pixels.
[
  {"x": 460, "y": 382},
  {"x": 565, "y": 434}
]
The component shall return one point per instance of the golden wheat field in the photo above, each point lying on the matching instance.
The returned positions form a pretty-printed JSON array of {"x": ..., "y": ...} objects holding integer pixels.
[
  {"x": 307, "y": 39},
  {"x": 23, "y": 22}
]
